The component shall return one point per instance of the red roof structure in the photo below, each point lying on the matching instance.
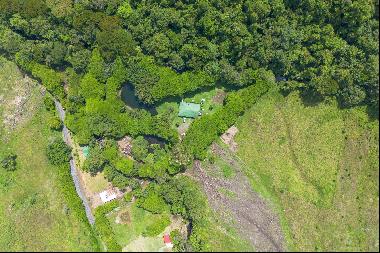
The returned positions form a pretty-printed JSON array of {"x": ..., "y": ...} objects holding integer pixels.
[{"x": 167, "y": 239}]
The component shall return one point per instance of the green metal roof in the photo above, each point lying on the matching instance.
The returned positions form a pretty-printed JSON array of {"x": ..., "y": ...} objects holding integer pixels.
[
  {"x": 86, "y": 151},
  {"x": 189, "y": 110}
]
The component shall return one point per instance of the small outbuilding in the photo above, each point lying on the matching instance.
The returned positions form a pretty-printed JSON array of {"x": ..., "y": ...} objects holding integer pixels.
[
  {"x": 168, "y": 241},
  {"x": 189, "y": 110},
  {"x": 86, "y": 151},
  {"x": 108, "y": 195}
]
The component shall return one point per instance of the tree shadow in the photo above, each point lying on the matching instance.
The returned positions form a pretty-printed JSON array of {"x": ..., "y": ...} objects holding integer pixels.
[
  {"x": 373, "y": 112},
  {"x": 311, "y": 98}
]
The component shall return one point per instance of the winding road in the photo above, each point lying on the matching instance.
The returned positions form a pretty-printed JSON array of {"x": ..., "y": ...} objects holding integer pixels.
[{"x": 73, "y": 169}]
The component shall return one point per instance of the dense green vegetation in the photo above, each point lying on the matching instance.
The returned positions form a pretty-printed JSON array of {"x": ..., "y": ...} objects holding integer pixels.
[
  {"x": 205, "y": 130},
  {"x": 58, "y": 152},
  {"x": 319, "y": 165},
  {"x": 9, "y": 163},
  {"x": 103, "y": 227},
  {"x": 329, "y": 47},
  {"x": 84, "y": 52}
]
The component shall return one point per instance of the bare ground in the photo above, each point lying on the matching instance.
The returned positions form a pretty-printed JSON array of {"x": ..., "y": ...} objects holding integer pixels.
[
  {"x": 219, "y": 97},
  {"x": 19, "y": 106},
  {"x": 228, "y": 138},
  {"x": 249, "y": 213}
]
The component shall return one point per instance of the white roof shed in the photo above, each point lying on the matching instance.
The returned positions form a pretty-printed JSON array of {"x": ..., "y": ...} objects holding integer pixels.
[{"x": 107, "y": 196}]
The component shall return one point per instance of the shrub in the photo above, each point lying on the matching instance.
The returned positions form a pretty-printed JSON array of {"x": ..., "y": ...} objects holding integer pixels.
[
  {"x": 54, "y": 123},
  {"x": 9, "y": 162},
  {"x": 58, "y": 152},
  {"x": 154, "y": 203},
  {"x": 49, "y": 103},
  {"x": 125, "y": 166},
  {"x": 151, "y": 200},
  {"x": 103, "y": 226},
  {"x": 128, "y": 196}
]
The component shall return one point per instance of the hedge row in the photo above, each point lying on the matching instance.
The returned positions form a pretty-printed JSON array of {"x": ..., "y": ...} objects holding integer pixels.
[
  {"x": 103, "y": 226},
  {"x": 75, "y": 204},
  {"x": 205, "y": 130}
]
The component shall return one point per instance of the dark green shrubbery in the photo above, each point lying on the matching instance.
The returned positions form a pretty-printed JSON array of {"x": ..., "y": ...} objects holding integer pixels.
[
  {"x": 103, "y": 226},
  {"x": 151, "y": 200},
  {"x": 9, "y": 162},
  {"x": 206, "y": 129},
  {"x": 49, "y": 103},
  {"x": 58, "y": 152}
]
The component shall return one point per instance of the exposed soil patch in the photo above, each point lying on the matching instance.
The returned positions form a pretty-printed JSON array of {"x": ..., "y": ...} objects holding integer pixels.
[
  {"x": 183, "y": 128},
  {"x": 123, "y": 218},
  {"x": 228, "y": 138},
  {"x": 251, "y": 215},
  {"x": 125, "y": 145},
  {"x": 20, "y": 107},
  {"x": 219, "y": 97}
]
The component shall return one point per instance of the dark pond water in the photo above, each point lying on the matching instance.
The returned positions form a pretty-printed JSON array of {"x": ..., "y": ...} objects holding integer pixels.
[
  {"x": 155, "y": 140},
  {"x": 130, "y": 99}
]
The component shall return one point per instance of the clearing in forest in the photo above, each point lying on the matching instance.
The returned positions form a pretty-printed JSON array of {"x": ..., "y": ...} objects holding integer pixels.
[{"x": 130, "y": 222}]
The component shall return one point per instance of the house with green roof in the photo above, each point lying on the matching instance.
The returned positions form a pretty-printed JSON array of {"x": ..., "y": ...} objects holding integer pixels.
[{"x": 189, "y": 110}]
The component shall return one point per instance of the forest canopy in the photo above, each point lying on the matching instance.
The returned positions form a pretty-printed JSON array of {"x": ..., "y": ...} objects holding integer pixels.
[{"x": 327, "y": 47}]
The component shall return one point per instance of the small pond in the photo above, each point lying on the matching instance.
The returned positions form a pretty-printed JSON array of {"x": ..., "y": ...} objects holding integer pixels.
[
  {"x": 155, "y": 140},
  {"x": 131, "y": 100}
]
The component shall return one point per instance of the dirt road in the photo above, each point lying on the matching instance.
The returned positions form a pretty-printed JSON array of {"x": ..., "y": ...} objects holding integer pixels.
[{"x": 73, "y": 169}]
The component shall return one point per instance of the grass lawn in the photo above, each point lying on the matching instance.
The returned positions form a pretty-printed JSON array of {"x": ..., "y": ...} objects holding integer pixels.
[
  {"x": 223, "y": 237},
  {"x": 132, "y": 230},
  {"x": 209, "y": 105},
  {"x": 95, "y": 184},
  {"x": 33, "y": 213},
  {"x": 319, "y": 165}
]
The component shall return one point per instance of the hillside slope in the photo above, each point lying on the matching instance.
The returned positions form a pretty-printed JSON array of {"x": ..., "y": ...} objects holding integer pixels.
[{"x": 319, "y": 165}]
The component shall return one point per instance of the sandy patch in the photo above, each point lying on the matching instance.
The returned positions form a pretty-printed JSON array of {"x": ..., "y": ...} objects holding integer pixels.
[
  {"x": 228, "y": 138},
  {"x": 17, "y": 104}
]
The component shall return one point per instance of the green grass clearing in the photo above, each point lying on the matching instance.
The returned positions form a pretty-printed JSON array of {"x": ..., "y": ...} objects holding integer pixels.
[
  {"x": 319, "y": 165},
  {"x": 33, "y": 213},
  {"x": 130, "y": 231},
  {"x": 209, "y": 106}
]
